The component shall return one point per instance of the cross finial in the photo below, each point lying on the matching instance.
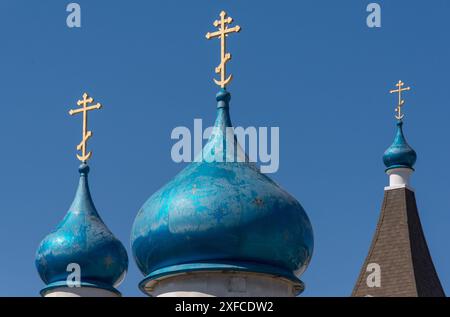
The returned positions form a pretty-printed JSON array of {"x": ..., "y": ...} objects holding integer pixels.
[
  {"x": 86, "y": 133},
  {"x": 222, "y": 33},
  {"x": 401, "y": 102}
]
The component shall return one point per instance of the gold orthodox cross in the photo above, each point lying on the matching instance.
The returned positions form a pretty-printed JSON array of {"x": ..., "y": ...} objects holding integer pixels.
[
  {"x": 86, "y": 133},
  {"x": 401, "y": 102},
  {"x": 224, "y": 56}
]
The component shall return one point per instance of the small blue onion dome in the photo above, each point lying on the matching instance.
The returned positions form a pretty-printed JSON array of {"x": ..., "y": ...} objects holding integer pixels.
[
  {"x": 220, "y": 214},
  {"x": 399, "y": 154},
  {"x": 82, "y": 238}
]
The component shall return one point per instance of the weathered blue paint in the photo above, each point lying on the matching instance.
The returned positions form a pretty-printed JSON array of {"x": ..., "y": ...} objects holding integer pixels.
[
  {"x": 224, "y": 216},
  {"x": 82, "y": 238},
  {"x": 399, "y": 154}
]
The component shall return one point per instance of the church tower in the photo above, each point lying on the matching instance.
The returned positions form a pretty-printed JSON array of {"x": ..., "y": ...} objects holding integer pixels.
[
  {"x": 221, "y": 227},
  {"x": 399, "y": 263},
  {"x": 82, "y": 258}
]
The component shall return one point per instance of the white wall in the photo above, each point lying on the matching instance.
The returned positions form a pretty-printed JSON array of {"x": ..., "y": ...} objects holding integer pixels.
[
  {"x": 80, "y": 292},
  {"x": 222, "y": 284}
]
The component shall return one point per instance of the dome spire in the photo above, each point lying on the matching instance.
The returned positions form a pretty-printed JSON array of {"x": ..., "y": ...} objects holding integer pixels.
[
  {"x": 81, "y": 257},
  {"x": 400, "y": 157},
  {"x": 222, "y": 145}
]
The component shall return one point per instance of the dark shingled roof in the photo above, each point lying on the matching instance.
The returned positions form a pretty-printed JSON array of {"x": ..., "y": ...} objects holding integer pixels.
[{"x": 400, "y": 249}]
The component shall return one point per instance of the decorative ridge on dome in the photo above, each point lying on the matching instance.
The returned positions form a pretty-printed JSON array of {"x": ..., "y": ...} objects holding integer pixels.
[
  {"x": 223, "y": 98},
  {"x": 151, "y": 279}
]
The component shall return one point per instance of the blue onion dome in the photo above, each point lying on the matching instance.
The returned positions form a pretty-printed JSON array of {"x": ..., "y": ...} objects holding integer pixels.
[
  {"x": 82, "y": 238},
  {"x": 399, "y": 154},
  {"x": 220, "y": 214}
]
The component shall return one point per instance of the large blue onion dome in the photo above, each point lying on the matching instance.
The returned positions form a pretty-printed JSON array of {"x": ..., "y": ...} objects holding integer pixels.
[
  {"x": 82, "y": 238},
  {"x": 220, "y": 214},
  {"x": 399, "y": 154}
]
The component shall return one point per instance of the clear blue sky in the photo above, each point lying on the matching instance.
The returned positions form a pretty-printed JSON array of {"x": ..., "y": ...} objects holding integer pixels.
[{"x": 313, "y": 68}]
